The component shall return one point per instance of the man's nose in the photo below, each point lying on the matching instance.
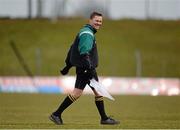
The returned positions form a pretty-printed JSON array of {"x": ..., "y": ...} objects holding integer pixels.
[{"x": 98, "y": 22}]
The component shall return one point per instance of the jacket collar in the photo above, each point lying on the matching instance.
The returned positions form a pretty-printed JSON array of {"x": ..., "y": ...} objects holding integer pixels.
[{"x": 90, "y": 27}]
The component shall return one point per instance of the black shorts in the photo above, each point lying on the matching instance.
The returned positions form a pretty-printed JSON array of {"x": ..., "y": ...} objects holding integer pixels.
[{"x": 82, "y": 79}]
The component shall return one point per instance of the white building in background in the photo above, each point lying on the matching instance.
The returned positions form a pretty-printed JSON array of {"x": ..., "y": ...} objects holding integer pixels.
[{"x": 113, "y": 9}]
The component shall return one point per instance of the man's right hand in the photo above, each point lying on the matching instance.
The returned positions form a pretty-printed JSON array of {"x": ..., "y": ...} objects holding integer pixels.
[
  {"x": 86, "y": 63},
  {"x": 90, "y": 73}
]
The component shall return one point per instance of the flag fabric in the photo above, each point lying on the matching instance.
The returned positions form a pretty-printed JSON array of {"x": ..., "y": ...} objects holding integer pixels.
[{"x": 100, "y": 89}]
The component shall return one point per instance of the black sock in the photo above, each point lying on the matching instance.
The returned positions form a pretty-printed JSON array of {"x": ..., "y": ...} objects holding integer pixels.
[
  {"x": 100, "y": 105},
  {"x": 67, "y": 102}
]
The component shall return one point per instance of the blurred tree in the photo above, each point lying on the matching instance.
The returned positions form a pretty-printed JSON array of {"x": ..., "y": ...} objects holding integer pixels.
[
  {"x": 147, "y": 9},
  {"x": 39, "y": 8},
  {"x": 29, "y": 9}
]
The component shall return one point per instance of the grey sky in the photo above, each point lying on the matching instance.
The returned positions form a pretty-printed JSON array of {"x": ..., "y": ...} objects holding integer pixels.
[{"x": 165, "y": 9}]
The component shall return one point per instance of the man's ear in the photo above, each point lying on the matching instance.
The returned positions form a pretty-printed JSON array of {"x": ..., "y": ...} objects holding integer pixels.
[{"x": 90, "y": 21}]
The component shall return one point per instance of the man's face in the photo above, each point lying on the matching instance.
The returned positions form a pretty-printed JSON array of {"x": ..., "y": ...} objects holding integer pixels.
[{"x": 96, "y": 22}]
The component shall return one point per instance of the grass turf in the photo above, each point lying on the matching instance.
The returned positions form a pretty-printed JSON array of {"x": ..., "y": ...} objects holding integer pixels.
[
  {"x": 32, "y": 111},
  {"x": 157, "y": 41}
]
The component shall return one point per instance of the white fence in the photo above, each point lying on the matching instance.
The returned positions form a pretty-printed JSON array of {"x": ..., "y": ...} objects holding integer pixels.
[
  {"x": 113, "y": 9},
  {"x": 115, "y": 85}
]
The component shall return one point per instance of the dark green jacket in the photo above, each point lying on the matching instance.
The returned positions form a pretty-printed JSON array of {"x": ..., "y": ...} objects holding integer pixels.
[{"x": 84, "y": 44}]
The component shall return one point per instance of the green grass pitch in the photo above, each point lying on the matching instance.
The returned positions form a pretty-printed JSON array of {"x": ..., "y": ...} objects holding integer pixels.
[
  {"x": 32, "y": 111},
  {"x": 157, "y": 41}
]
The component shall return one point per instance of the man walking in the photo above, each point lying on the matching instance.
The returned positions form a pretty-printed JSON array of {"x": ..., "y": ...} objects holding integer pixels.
[{"x": 84, "y": 56}]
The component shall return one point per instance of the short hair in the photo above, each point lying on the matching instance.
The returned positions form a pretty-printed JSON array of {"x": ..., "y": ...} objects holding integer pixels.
[{"x": 93, "y": 14}]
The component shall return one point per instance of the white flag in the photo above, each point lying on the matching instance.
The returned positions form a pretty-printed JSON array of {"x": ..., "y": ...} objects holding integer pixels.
[{"x": 100, "y": 89}]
